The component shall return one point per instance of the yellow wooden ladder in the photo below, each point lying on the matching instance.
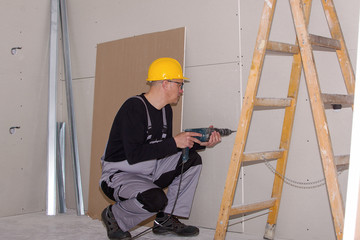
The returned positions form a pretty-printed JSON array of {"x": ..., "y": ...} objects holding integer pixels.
[{"x": 303, "y": 57}]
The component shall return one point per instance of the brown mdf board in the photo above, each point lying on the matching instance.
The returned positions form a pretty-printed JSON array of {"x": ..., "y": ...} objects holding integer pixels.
[{"x": 121, "y": 72}]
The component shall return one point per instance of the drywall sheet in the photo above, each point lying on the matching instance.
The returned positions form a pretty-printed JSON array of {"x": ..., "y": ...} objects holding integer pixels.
[{"x": 121, "y": 71}]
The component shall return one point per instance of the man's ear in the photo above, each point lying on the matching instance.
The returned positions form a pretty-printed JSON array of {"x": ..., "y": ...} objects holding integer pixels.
[{"x": 165, "y": 84}]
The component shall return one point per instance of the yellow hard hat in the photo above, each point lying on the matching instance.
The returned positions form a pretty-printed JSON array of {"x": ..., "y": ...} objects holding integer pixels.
[{"x": 165, "y": 69}]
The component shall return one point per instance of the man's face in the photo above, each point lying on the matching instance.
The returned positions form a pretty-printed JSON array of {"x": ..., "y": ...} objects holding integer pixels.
[{"x": 175, "y": 90}]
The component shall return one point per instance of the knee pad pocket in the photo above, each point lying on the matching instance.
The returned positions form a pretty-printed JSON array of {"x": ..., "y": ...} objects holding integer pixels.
[{"x": 153, "y": 199}]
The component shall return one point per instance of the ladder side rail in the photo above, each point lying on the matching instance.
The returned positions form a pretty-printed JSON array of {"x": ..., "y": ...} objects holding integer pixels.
[
  {"x": 319, "y": 116},
  {"x": 245, "y": 118},
  {"x": 284, "y": 144},
  {"x": 286, "y": 133},
  {"x": 343, "y": 56}
]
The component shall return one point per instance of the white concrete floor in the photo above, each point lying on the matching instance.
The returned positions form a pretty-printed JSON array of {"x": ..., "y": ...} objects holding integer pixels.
[{"x": 69, "y": 226}]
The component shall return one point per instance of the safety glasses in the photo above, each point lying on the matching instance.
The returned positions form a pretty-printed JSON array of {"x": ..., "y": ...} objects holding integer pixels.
[{"x": 180, "y": 85}]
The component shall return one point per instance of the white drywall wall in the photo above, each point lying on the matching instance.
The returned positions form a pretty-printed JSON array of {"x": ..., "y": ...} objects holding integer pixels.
[
  {"x": 352, "y": 216},
  {"x": 23, "y": 103},
  {"x": 217, "y": 62}
]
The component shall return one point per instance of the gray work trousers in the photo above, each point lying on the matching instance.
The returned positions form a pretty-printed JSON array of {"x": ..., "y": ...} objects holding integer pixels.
[{"x": 129, "y": 212}]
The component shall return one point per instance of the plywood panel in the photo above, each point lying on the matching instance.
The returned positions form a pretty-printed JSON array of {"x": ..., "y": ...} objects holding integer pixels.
[{"x": 121, "y": 70}]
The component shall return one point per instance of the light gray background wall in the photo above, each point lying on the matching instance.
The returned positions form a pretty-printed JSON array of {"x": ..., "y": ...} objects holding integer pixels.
[{"x": 220, "y": 41}]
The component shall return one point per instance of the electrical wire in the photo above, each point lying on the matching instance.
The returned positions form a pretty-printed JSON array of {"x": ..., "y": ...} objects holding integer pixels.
[{"x": 298, "y": 184}]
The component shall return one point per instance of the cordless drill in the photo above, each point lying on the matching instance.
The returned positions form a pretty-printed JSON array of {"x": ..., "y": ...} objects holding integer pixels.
[{"x": 205, "y": 136}]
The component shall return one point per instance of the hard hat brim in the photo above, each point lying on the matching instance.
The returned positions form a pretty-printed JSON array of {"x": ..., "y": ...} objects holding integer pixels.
[{"x": 153, "y": 80}]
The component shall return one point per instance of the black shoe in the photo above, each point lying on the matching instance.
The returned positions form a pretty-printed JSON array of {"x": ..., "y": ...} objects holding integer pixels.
[
  {"x": 165, "y": 223},
  {"x": 112, "y": 228}
]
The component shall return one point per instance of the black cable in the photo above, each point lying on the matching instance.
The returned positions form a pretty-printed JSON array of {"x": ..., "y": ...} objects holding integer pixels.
[
  {"x": 178, "y": 192},
  {"x": 172, "y": 211}
]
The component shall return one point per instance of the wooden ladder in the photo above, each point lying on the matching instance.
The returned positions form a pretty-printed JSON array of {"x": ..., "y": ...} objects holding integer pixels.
[{"x": 303, "y": 57}]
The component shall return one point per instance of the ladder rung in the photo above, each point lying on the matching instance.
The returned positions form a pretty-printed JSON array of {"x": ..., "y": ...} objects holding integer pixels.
[
  {"x": 342, "y": 162},
  {"x": 252, "y": 207},
  {"x": 282, "y": 47},
  {"x": 268, "y": 103},
  {"x": 324, "y": 42},
  {"x": 316, "y": 41},
  {"x": 269, "y": 155},
  {"x": 339, "y": 100}
]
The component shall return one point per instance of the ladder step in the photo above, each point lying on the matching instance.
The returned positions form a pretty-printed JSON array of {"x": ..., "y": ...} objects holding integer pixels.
[
  {"x": 252, "y": 207},
  {"x": 282, "y": 47},
  {"x": 270, "y": 103},
  {"x": 324, "y": 42},
  {"x": 318, "y": 43},
  {"x": 342, "y": 162},
  {"x": 269, "y": 155},
  {"x": 337, "y": 101}
]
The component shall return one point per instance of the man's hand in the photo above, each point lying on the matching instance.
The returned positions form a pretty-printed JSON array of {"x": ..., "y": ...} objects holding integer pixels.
[
  {"x": 215, "y": 138},
  {"x": 187, "y": 139}
]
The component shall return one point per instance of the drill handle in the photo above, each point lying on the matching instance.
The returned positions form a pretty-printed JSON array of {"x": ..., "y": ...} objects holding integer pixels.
[{"x": 185, "y": 154}]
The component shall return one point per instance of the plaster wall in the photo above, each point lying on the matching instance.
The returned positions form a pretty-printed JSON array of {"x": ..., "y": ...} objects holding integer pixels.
[{"x": 220, "y": 38}]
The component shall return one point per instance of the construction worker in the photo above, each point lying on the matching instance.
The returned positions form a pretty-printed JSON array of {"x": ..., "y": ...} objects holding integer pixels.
[{"x": 142, "y": 158}]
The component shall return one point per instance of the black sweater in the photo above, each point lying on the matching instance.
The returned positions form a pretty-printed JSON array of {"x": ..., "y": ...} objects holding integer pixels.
[{"x": 127, "y": 140}]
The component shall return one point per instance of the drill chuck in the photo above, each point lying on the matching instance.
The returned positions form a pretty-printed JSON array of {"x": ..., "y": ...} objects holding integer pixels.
[{"x": 223, "y": 131}]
